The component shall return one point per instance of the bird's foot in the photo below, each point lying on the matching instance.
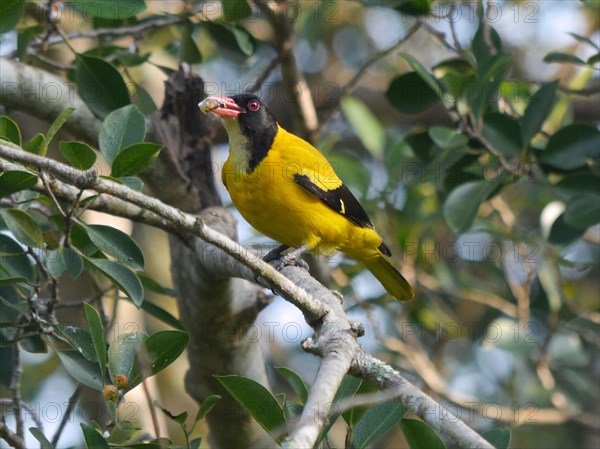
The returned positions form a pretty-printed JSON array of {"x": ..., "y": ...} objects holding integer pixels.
[
  {"x": 292, "y": 259},
  {"x": 275, "y": 254}
]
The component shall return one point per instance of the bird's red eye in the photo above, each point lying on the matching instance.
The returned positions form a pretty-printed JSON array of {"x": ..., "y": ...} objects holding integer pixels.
[{"x": 253, "y": 105}]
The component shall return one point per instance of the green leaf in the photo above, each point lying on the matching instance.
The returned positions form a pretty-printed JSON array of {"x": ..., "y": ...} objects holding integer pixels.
[
  {"x": 134, "y": 159},
  {"x": 447, "y": 138},
  {"x": 78, "y": 338},
  {"x": 562, "y": 58},
  {"x": 79, "y": 154},
  {"x": 503, "y": 132},
  {"x": 152, "y": 285},
  {"x": 561, "y": 232},
  {"x": 11, "y": 14},
  {"x": 109, "y": 9},
  {"x": 414, "y": 7},
  {"x": 63, "y": 259},
  {"x": 423, "y": 72},
  {"x": 116, "y": 244},
  {"x": 206, "y": 406},
  {"x": 583, "y": 211},
  {"x": 188, "y": 50},
  {"x": 296, "y": 382},
  {"x": 355, "y": 414},
  {"x": 81, "y": 369},
  {"x": 580, "y": 183},
  {"x": 120, "y": 129},
  {"x": 455, "y": 76},
  {"x": 100, "y": 85},
  {"x": 23, "y": 227},
  {"x": 35, "y": 144},
  {"x": 572, "y": 146},
  {"x": 420, "y": 435},
  {"x": 500, "y": 438},
  {"x": 232, "y": 37},
  {"x": 16, "y": 180},
  {"x": 161, "y": 314},
  {"x": 124, "y": 430},
  {"x": 9, "y": 130},
  {"x": 490, "y": 77},
  {"x": 55, "y": 127},
  {"x": 180, "y": 418},
  {"x": 132, "y": 182},
  {"x": 365, "y": 124},
  {"x": 123, "y": 278},
  {"x": 122, "y": 355},
  {"x": 462, "y": 204},
  {"x": 585, "y": 40},
  {"x": 15, "y": 263},
  {"x": 481, "y": 50},
  {"x": 93, "y": 440},
  {"x": 98, "y": 338},
  {"x": 144, "y": 101},
  {"x": 594, "y": 59},
  {"x": 236, "y": 10},
  {"x": 164, "y": 347},
  {"x": 257, "y": 400},
  {"x": 411, "y": 94},
  {"x": 376, "y": 422},
  {"x": 39, "y": 435},
  {"x": 537, "y": 110}
]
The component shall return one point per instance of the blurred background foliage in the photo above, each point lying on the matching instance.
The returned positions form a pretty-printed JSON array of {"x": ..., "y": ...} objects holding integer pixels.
[{"x": 473, "y": 145}]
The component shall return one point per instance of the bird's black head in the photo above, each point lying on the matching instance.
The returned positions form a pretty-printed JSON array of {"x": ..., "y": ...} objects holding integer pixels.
[
  {"x": 257, "y": 123},
  {"x": 248, "y": 116}
]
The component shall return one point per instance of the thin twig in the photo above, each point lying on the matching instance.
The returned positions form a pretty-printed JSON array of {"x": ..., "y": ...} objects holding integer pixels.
[
  {"x": 350, "y": 85},
  {"x": 10, "y": 437},
  {"x": 51, "y": 193},
  {"x": 15, "y": 387},
  {"x": 264, "y": 75},
  {"x": 586, "y": 92},
  {"x": 28, "y": 408},
  {"x": 70, "y": 407},
  {"x": 152, "y": 408},
  {"x": 113, "y": 32},
  {"x": 440, "y": 36}
]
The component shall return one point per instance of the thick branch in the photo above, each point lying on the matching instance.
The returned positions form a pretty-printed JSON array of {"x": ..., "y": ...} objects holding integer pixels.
[
  {"x": 186, "y": 222},
  {"x": 45, "y": 95},
  {"x": 335, "y": 340},
  {"x": 454, "y": 432}
]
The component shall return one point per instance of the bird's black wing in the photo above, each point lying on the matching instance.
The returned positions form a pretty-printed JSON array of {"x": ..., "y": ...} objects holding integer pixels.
[
  {"x": 340, "y": 200},
  {"x": 343, "y": 202}
]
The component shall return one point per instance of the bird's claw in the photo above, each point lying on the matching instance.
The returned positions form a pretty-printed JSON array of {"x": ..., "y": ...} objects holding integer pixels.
[{"x": 290, "y": 261}]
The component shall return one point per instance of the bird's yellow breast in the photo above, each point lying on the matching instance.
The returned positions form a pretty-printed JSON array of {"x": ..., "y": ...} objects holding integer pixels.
[{"x": 270, "y": 199}]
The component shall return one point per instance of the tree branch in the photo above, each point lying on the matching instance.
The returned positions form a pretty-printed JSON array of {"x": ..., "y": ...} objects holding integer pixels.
[
  {"x": 45, "y": 95},
  {"x": 191, "y": 224},
  {"x": 455, "y": 432},
  {"x": 10, "y": 437},
  {"x": 294, "y": 84}
]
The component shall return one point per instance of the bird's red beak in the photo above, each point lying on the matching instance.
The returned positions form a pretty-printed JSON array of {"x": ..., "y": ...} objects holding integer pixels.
[{"x": 222, "y": 106}]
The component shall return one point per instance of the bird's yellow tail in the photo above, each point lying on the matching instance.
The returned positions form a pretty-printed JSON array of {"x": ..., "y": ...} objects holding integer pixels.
[{"x": 390, "y": 278}]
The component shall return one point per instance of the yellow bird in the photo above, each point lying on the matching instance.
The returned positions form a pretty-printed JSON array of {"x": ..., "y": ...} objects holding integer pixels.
[{"x": 286, "y": 189}]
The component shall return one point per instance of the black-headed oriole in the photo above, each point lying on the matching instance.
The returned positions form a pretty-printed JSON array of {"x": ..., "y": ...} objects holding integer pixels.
[{"x": 286, "y": 189}]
